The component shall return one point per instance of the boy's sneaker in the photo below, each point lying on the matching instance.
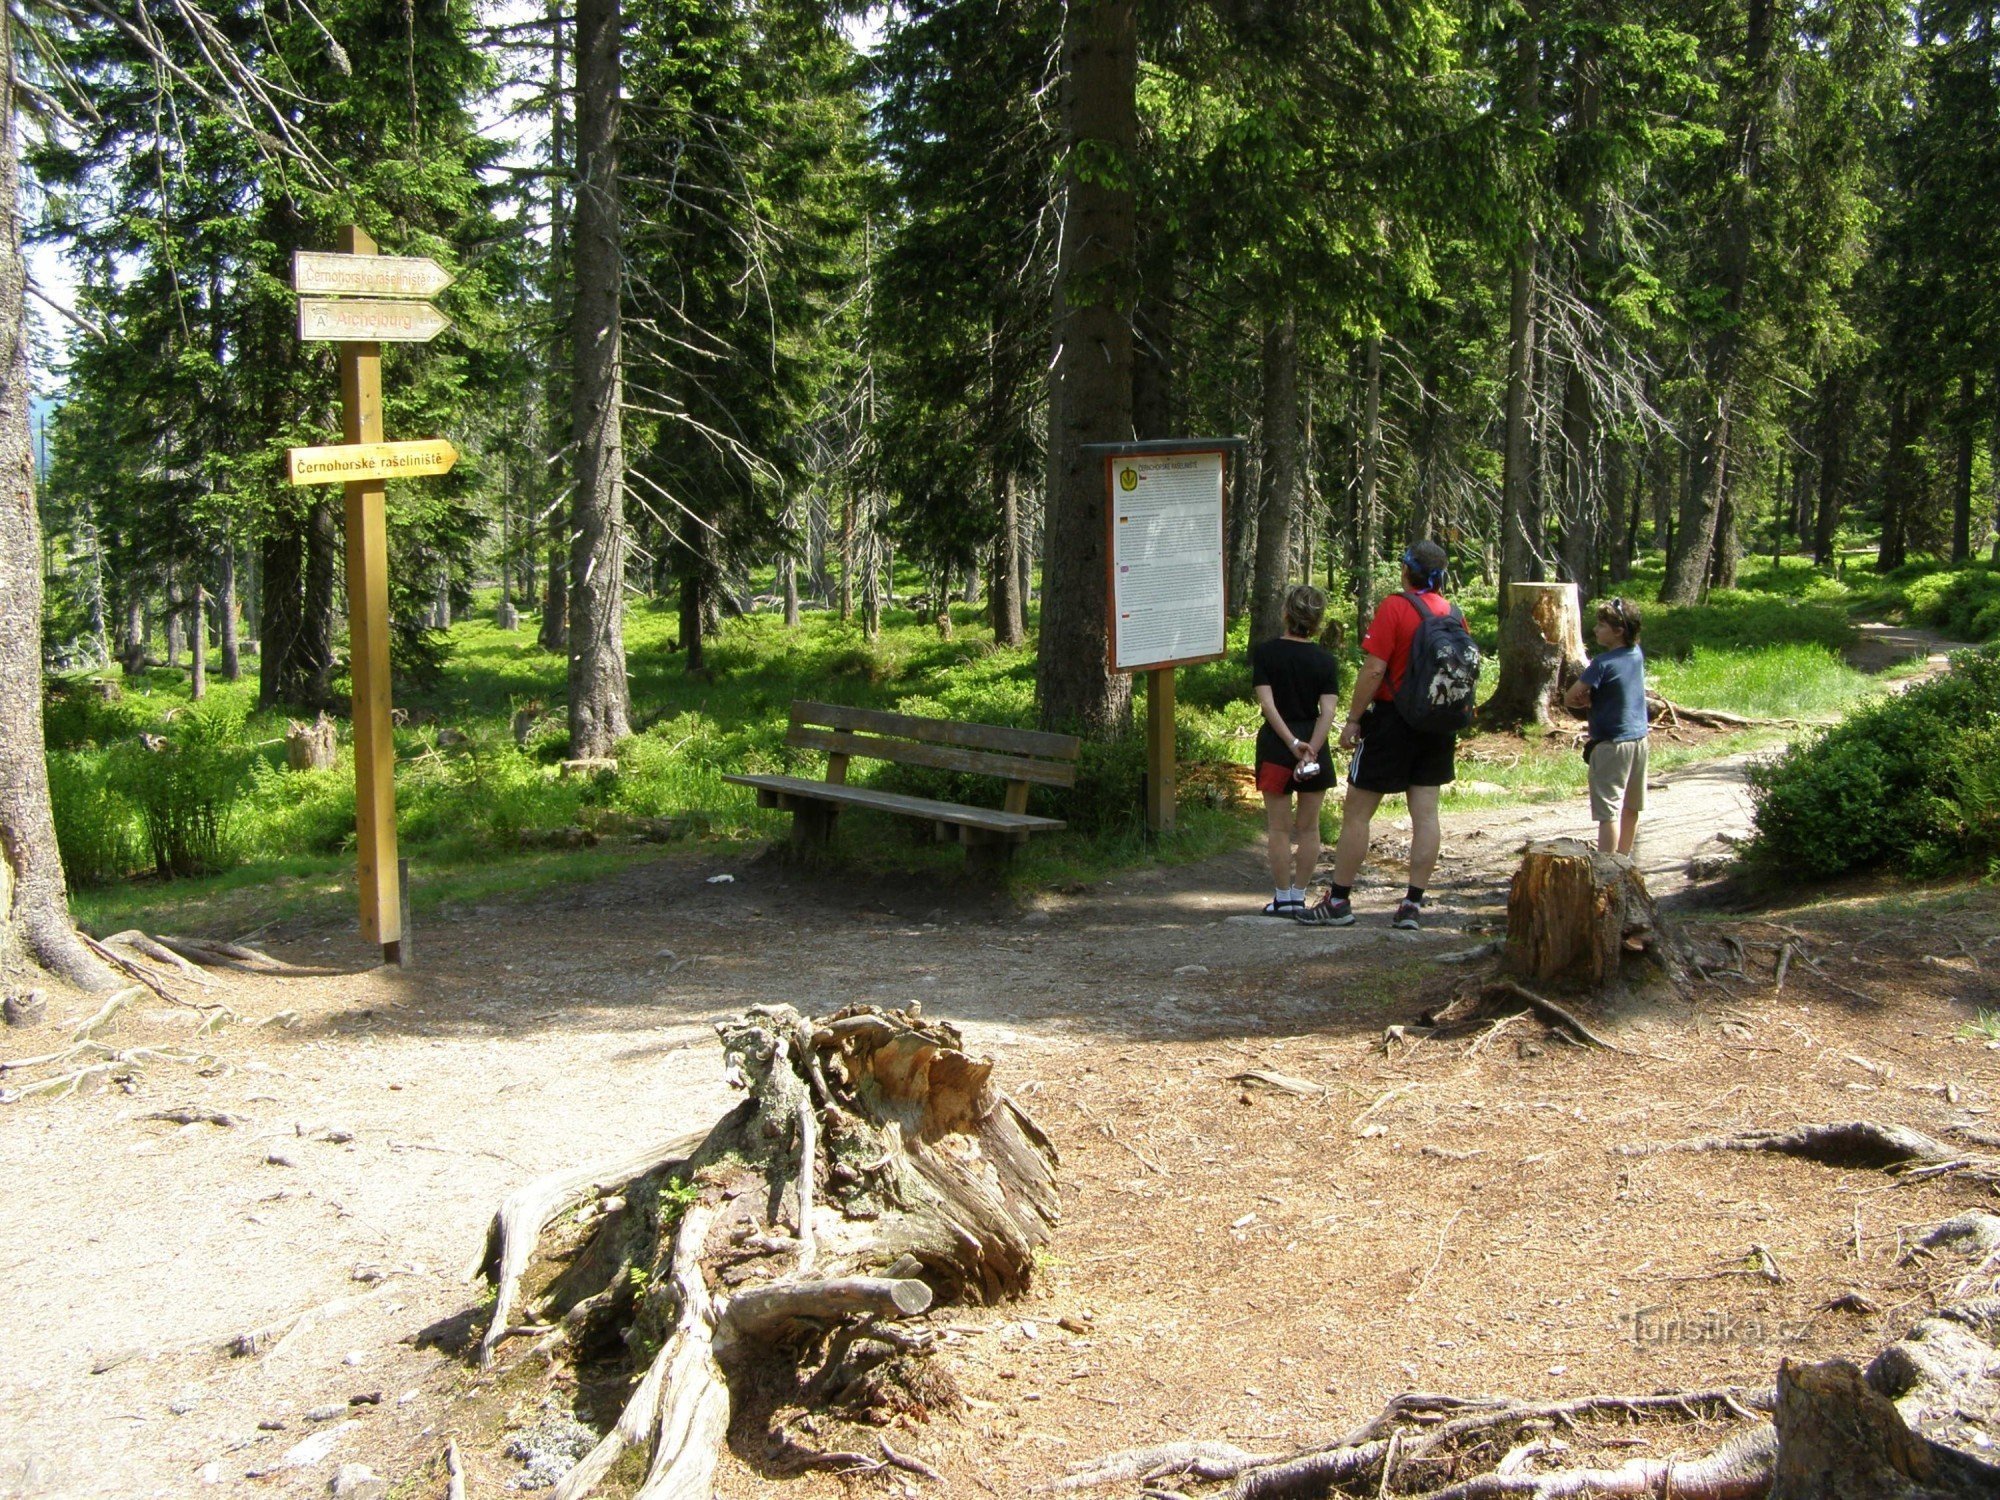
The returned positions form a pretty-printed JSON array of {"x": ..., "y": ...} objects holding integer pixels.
[
  {"x": 1329, "y": 913},
  {"x": 1407, "y": 915}
]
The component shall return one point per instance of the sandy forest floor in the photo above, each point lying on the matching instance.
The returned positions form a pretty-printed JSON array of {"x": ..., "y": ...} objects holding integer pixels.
[{"x": 1233, "y": 1262}]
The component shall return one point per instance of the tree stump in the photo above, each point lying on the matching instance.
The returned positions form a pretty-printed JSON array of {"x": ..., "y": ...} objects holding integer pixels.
[
  {"x": 1574, "y": 916},
  {"x": 1541, "y": 653},
  {"x": 311, "y": 747},
  {"x": 1841, "y": 1439},
  {"x": 30, "y": 1009},
  {"x": 872, "y": 1169},
  {"x": 506, "y": 616}
]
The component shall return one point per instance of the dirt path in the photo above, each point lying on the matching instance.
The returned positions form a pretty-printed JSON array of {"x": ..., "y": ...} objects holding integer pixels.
[{"x": 1252, "y": 1267}]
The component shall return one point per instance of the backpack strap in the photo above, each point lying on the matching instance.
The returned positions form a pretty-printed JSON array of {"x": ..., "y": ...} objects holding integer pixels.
[{"x": 1416, "y": 602}]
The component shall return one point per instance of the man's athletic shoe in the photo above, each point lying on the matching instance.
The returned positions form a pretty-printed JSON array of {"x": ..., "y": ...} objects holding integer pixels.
[
  {"x": 1329, "y": 913},
  {"x": 1407, "y": 915}
]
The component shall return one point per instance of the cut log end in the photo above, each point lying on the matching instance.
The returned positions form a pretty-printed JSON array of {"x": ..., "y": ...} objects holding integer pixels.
[{"x": 1577, "y": 917}]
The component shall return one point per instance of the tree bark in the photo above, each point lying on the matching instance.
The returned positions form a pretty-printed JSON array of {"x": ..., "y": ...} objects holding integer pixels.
[
  {"x": 1004, "y": 599},
  {"x": 599, "y": 709},
  {"x": 1090, "y": 386},
  {"x": 1832, "y": 444},
  {"x": 1367, "y": 494},
  {"x": 691, "y": 610},
  {"x": 1279, "y": 493},
  {"x": 1961, "y": 494},
  {"x": 176, "y": 618},
  {"x": 197, "y": 614},
  {"x": 1520, "y": 521},
  {"x": 1688, "y": 569},
  {"x": 35, "y": 928},
  {"x": 1893, "y": 549},
  {"x": 227, "y": 624},
  {"x": 315, "y": 641},
  {"x": 1541, "y": 650},
  {"x": 280, "y": 679},
  {"x": 554, "y": 632},
  {"x": 1575, "y": 916}
]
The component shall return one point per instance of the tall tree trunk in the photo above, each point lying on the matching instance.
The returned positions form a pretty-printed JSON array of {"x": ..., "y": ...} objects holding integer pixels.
[
  {"x": 35, "y": 928},
  {"x": 176, "y": 618},
  {"x": 1090, "y": 385},
  {"x": 316, "y": 629},
  {"x": 1898, "y": 483},
  {"x": 280, "y": 674},
  {"x": 1691, "y": 563},
  {"x": 691, "y": 611},
  {"x": 1618, "y": 486},
  {"x": 1961, "y": 494},
  {"x": 554, "y": 632},
  {"x": 1520, "y": 523},
  {"x": 789, "y": 569},
  {"x": 599, "y": 710},
  {"x": 1005, "y": 597},
  {"x": 847, "y": 555},
  {"x": 1581, "y": 518},
  {"x": 1832, "y": 445},
  {"x": 1367, "y": 496},
  {"x": 226, "y": 612},
  {"x": 1727, "y": 551},
  {"x": 1278, "y": 496},
  {"x": 197, "y": 616},
  {"x": 1153, "y": 338}
]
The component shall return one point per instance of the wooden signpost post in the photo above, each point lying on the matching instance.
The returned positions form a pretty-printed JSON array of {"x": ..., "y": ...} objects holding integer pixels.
[
  {"x": 360, "y": 326},
  {"x": 1165, "y": 586}
]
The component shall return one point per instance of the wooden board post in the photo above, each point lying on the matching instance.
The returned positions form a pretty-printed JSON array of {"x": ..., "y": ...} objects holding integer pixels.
[
  {"x": 378, "y": 869},
  {"x": 1160, "y": 767}
]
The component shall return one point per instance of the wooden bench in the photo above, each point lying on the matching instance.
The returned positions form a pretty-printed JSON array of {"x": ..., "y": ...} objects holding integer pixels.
[{"x": 1019, "y": 757}]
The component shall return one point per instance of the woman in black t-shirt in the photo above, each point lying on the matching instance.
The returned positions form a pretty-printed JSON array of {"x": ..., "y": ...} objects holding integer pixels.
[{"x": 1297, "y": 683}]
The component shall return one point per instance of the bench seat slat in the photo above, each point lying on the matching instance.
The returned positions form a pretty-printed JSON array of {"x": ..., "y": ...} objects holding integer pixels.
[
  {"x": 996, "y": 737},
  {"x": 938, "y": 757},
  {"x": 989, "y": 819}
]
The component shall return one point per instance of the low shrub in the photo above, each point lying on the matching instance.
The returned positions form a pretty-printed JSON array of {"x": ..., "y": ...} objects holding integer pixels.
[
  {"x": 185, "y": 784},
  {"x": 1965, "y": 604},
  {"x": 93, "y": 819},
  {"x": 1910, "y": 783},
  {"x": 81, "y": 712}
]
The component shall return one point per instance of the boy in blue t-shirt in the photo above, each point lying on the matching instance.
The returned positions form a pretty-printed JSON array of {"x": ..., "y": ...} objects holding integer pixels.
[{"x": 1613, "y": 689}]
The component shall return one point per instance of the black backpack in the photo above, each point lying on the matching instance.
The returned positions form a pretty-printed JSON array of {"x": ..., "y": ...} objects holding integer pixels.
[{"x": 1442, "y": 677}]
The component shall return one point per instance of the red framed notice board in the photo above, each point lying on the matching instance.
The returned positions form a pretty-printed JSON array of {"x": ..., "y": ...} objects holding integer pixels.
[{"x": 1165, "y": 555}]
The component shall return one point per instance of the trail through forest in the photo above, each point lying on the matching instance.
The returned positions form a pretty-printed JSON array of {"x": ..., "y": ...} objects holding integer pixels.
[{"x": 1233, "y": 1262}]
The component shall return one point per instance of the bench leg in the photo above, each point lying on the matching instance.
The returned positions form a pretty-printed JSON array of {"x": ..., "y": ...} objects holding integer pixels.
[
  {"x": 812, "y": 830},
  {"x": 989, "y": 860}
]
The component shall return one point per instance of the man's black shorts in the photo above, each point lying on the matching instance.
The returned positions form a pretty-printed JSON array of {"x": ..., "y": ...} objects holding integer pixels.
[{"x": 1392, "y": 757}]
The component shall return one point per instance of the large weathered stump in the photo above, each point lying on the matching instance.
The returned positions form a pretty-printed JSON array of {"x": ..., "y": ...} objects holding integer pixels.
[
  {"x": 1576, "y": 916},
  {"x": 873, "y": 1169},
  {"x": 1541, "y": 652},
  {"x": 310, "y": 747}
]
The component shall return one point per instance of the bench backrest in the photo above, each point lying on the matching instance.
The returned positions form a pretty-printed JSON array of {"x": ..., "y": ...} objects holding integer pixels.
[{"x": 1016, "y": 756}]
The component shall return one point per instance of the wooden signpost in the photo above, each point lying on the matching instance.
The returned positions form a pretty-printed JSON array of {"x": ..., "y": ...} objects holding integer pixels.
[
  {"x": 1165, "y": 585},
  {"x": 370, "y": 315}
]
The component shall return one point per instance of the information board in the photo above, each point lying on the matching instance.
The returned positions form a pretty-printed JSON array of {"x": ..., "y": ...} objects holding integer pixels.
[{"x": 1167, "y": 579}]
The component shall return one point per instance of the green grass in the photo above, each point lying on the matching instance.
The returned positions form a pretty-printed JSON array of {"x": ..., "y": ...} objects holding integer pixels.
[{"x": 476, "y": 809}]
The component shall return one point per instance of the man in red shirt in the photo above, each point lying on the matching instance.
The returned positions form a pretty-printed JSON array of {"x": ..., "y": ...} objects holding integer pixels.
[{"x": 1390, "y": 756}]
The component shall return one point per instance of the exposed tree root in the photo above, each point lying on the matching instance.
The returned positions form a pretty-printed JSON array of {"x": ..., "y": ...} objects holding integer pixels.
[
  {"x": 1909, "y": 1154},
  {"x": 1506, "y": 997},
  {"x": 904, "y": 1176},
  {"x": 1834, "y": 1435}
]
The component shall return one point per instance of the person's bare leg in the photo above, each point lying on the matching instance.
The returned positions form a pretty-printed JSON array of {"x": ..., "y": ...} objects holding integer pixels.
[
  {"x": 1628, "y": 830},
  {"x": 1278, "y": 836},
  {"x": 1305, "y": 838},
  {"x": 1356, "y": 809},
  {"x": 1607, "y": 837},
  {"x": 1426, "y": 833}
]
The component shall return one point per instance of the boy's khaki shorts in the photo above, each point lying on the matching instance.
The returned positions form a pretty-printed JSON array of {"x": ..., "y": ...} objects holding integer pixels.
[{"x": 1617, "y": 779}]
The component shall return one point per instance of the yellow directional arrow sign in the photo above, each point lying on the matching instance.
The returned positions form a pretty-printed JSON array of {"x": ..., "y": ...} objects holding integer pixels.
[
  {"x": 358, "y": 461},
  {"x": 323, "y": 274},
  {"x": 358, "y": 320}
]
